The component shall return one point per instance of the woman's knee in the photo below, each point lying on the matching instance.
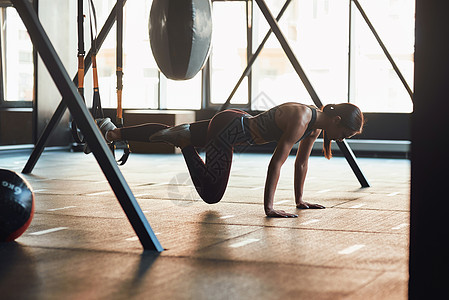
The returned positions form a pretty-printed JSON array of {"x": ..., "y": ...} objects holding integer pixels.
[
  {"x": 211, "y": 196},
  {"x": 212, "y": 200}
]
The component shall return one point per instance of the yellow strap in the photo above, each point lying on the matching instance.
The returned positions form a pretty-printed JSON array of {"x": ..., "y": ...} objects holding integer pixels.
[
  {"x": 94, "y": 71},
  {"x": 119, "y": 104},
  {"x": 80, "y": 71}
]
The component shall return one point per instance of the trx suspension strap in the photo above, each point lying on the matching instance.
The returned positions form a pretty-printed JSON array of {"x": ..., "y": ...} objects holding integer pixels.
[
  {"x": 97, "y": 111},
  {"x": 81, "y": 53},
  {"x": 119, "y": 62}
]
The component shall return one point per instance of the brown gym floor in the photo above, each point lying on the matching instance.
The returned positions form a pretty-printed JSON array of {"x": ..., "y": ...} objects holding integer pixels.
[{"x": 80, "y": 244}]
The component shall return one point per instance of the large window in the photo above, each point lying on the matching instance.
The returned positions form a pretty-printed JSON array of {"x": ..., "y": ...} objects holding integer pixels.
[
  {"x": 16, "y": 61},
  {"x": 141, "y": 77},
  {"x": 228, "y": 57},
  {"x": 319, "y": 33},
  {"x": 375, "y": 85},
  {"x": 331, "y": 40}
]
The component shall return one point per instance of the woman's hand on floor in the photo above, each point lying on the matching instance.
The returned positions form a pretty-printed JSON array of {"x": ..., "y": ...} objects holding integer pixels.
[
  {"x": 279, "y": 214},
  {"x": 306, "y": 205}
]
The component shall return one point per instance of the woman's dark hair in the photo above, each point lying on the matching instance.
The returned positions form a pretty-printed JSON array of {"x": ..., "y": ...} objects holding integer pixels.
[{"x": 351, "y": 117}]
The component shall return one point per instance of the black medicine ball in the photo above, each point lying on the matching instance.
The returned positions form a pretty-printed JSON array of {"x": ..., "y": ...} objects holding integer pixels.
[{"x": 16, "y": 205}]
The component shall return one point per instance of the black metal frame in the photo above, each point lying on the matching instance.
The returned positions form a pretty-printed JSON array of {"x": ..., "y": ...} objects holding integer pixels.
[{"x": 81, "y": 114}]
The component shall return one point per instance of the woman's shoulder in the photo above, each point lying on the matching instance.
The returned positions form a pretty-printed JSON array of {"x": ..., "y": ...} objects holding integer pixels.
[
  {"x": 295, "y": 111},
  {"x": 293, "y": 118},
  {"x": 296, "y": 105}
]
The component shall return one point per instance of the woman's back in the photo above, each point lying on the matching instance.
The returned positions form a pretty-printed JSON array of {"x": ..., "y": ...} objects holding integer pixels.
[{"x": 270, "y": 125}]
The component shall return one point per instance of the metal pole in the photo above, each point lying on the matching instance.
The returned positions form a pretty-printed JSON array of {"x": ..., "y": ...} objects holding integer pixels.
[
  {"x": 351, "y": 159},
  {"x": 93, "y": 136}
]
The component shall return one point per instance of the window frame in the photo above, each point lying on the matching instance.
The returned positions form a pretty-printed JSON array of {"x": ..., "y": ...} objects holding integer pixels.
[{"x": 16, "y": 103}]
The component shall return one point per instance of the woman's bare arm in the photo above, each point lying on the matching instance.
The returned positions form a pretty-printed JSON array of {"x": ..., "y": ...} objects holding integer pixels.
[
  {"x": 301, "y": 166},
  {"x": 274, "y": 168},
  {"x": 294, "y": 125}
]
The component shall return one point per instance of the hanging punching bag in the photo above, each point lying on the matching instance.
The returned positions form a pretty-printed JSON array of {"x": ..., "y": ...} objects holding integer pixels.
[{"x": 180, "y": 36}]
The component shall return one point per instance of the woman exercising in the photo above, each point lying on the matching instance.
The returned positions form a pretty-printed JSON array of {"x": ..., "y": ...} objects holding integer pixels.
[{"x": 285, "y": 124}]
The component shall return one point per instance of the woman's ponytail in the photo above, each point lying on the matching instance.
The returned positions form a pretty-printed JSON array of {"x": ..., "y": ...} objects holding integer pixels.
[{"x": 329, "y": 110}]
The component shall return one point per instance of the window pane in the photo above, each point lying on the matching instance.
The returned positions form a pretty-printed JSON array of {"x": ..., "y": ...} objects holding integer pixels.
[
  {"x": 182, "y": 94},
  {"x": 228, "y": 55},
  {"x": 141, "y": 75},
  {"x": 19, "y": 68},
  {"x": 140, "y": 79},
  {"x": 317, "y": 32},
  {"x": 377, "y": 88}
]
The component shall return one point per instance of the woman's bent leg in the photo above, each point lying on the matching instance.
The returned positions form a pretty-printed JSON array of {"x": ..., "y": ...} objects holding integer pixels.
[{"x": 211, "y": 178}]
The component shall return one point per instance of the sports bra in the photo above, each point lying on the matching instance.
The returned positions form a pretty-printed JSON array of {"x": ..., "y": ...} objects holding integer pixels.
[{"x": 269, "y": 130}]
